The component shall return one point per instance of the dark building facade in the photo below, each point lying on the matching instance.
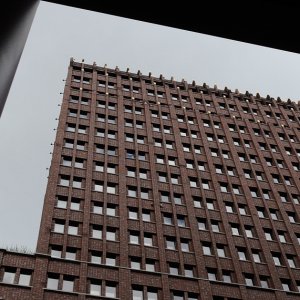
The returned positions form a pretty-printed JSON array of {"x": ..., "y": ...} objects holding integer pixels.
[{"x": 165, "y": 190}]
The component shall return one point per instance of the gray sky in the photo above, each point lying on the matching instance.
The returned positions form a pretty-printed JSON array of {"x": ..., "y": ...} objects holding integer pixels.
[{"x": 58, "y": 33}]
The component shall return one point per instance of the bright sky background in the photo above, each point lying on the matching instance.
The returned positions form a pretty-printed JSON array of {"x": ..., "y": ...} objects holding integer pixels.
[{"x": 58, "y": 33}]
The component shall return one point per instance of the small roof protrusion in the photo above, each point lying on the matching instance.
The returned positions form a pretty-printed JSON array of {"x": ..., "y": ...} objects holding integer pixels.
[
  {"x": 237, "y": 91},
  {"x": 193, "y": 83},
  {"x": 257, "y": 95},
  {"x": 150, "y": 74},
  {"x": 215, "y": 87},
  {"x": 127, "y": 70},
  {"x": 279, "y": 100}
]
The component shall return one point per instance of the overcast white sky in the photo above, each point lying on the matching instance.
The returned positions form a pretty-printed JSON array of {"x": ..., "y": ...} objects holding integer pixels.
[{"x": 58, "y": 33}]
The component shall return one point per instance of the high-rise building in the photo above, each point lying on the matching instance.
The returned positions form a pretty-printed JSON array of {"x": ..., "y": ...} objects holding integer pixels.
[{"x": 165, "y": 190}]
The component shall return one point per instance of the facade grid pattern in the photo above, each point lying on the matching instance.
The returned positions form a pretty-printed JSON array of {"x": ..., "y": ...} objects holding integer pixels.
[{"x": 165, "y": 190}]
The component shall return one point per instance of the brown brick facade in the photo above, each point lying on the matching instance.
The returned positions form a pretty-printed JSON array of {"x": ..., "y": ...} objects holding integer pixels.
[{"x": 165, "y": 190}]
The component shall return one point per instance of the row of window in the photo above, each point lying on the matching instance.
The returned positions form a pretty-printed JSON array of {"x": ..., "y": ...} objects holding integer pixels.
[
  {"x": 151, "y": 92},
  {"x": 111, "y": 233}
]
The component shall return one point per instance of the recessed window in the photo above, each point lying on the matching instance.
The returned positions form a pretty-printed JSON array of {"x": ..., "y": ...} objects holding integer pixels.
[
  {"x": 9, "y": 275},
  {"x": 52, "y": 281},
  {"x": 170, "y": 243},
  {"x": 25, "y": 277},
  {"x": 75, "y": 204},
  {"x": 59, "y": 226},
  {"x": 206, "y": 248},
  {"x": 134, "y": 238},
  {"x": 73, "y": 228},
  {"x": 96, "y": 232}
]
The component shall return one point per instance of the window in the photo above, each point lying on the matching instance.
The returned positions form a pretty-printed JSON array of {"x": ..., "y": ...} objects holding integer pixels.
[
  {"x": 178, "y": 296},
  {"x": 75, "y": 204},
  {"x": 261, "y": 212},
  {"x": 259, "y": 176},
  {"x": 193, "y": 182},
  {"x": 276, "y": 259},
  {"x": 173, "y": 269},
  {"x": 167, "y": 219},
  {"x": 184, "y": 245},
  {"x": 95, "y": 287},
  {"x": 205, "y": 184},
  {"x": 110, "y": 290},
  {"x": 210, "y": 204},
  {"x": 73, "y": 228},
  {"x": 188, "y": 271},
  {"x": 201, "y": 166},
  {"x": 206, "y": 248},
  {"x": 98, "y": 186},
  {"x": 71, "y": 253},
  {"x": 181, "y": 221},
  {"x": 227, "y": 276},
  {"x": 164, "y": 197},
  {"x": 221, "y": 250},
  {"x": 56, "y": 251},
  {"x": 131, "y": 191},
  {"x": 170, "y": 243},
  {"x": 77, "y": 182},
  {"x": 201, "y": 224},
  {"x": 111, "y": 234},
  {"x": 59, "y": 226},
  {"x": 215, "y": 226},
  {"x": 150, "y": 265},
  {"x": 256, "y": 256},
  {"x": 273, "y": 214},
  {"x": 25, "y": 277},
  {"x": 96, "y": 257},
  {"x": 254, "y": 192},
  {"x": 177, "y": 199},
  {"x": 291, "y": 261},
  {"x": 249, "y": 231},
  {"x": 242, "y": 253},
  {"x": 52, "y": 281},
  {"x": 135, "y": 263},
  {"x": 146, "y": 216},
  {"x": 68, "y": 284},
  {"x": 197, "y": 202},
  {"x": 111, "y": 259},
  {"x": 145, "y": 193},
  {"x": 212, "y": 274},
  {"x": 285, "y": 285},
  {"x": 249, "y": 279},
  {"x": 96, "y": 232},
  {"x": 281, "y": 236},
  {"x": 160, "y": 159},
  {"x": 236, "y": 189},
  {"x": 64, "y": 180},
  {"x": 111, "y": 188},
  {"x": 148, "y": 240},
  {"x": 97, "y": 208},
  {"x": 291, "y": 217},
  {"x": 134, "y": 238},
  {"x": 268, "y": 234},
  {"x": 229, "y": 207},
  {"x": 242, "y": 209},
  {"x": 9, "y": 275},
  {"x": 248, "y": 174},
  {"x": 235, "y": 229},
  {"x": 61, "y": 201}
]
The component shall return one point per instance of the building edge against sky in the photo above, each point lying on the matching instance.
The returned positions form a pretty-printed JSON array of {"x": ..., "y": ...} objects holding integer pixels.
[{"x": 165, "y": 190}]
